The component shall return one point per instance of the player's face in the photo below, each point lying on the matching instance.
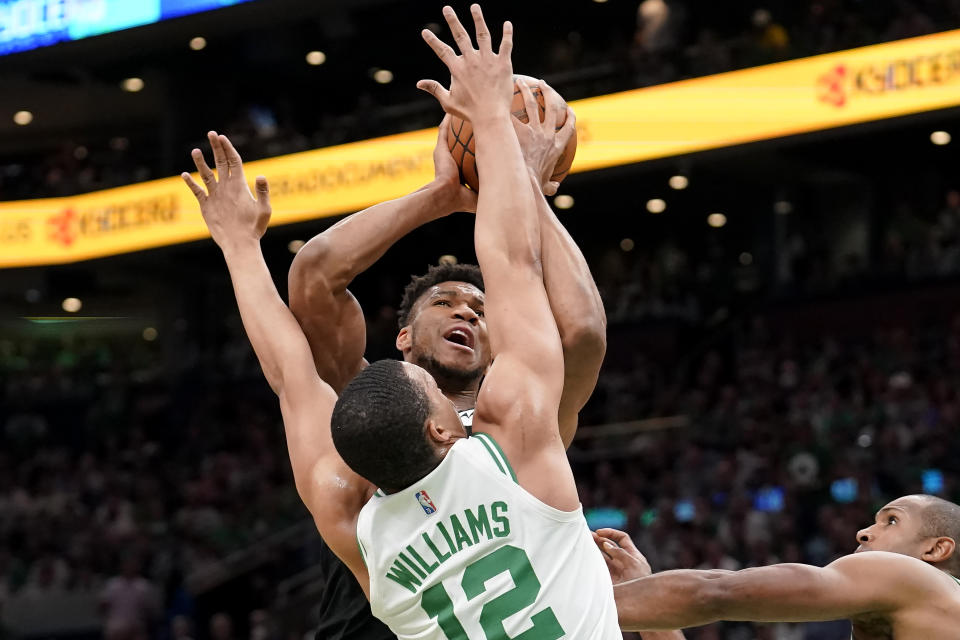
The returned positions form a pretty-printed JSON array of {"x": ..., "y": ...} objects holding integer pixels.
[
  {"x": 448, "y": 333},
  {"x": 895, "y": 529}
]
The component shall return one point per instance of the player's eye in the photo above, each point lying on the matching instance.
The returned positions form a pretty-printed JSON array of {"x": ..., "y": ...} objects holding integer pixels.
[
  {"x": 479, "y": 312},
  {"x": 892, "y": 520},
  {"x": 439, "y": 303}
]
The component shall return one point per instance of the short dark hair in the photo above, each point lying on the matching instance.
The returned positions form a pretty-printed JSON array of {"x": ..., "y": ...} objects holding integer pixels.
[
  {"x": 379, "y": 426},
  {"x": 941, "y": 518},
  {"x": 469, "y": 273}
]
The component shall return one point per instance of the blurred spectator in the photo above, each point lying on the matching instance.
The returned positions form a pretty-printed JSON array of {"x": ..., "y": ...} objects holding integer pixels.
[
  {"x": 130, "y": 603},
  {"x": 221, "y": 627},
  {"x": 181, "y": 628}
]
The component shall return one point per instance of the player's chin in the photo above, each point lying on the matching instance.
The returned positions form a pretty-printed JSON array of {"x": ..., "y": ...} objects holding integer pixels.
[
  {"x": 459, "y": 361},
  {"x": 462, "y": 361}
]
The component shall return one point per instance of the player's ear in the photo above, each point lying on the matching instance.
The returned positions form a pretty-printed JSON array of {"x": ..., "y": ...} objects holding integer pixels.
[
  {"x": 403, "y": 339},
  {"x": 940, "y": 550},
  {"x": 439, "y": 435}
]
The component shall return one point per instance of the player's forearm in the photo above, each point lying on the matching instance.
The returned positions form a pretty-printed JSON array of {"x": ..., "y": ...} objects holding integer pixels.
[
  {"x": 578, "y": 311},
  {"x": 270, "y": 326},
  {"x": 669, "y": 600},
  {"x": 335, "y": 257},
  {"x": 507, "y": 232},
  {"x": 777, "y": 593}
]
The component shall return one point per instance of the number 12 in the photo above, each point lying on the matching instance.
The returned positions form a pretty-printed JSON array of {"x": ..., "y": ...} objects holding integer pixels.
[{"x": 436, "y": 602}]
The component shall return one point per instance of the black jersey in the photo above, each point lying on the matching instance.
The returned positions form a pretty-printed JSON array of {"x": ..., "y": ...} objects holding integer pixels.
[{"x": 344, "y": 610}]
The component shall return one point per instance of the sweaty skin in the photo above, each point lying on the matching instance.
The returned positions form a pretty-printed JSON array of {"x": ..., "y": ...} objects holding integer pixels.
[{"x": 896, "y": 585}]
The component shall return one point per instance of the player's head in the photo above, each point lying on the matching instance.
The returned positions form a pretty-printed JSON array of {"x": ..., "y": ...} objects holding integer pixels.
[
  {"x": 392, "y": 425},
  {"x": 442, "y": 327},
  {"x": 924, "y": 527}
]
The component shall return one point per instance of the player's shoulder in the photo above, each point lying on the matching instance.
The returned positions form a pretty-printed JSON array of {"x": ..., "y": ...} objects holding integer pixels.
[
  {"x": 484, "y": 453},
  {"x": 904, "y": 574}
]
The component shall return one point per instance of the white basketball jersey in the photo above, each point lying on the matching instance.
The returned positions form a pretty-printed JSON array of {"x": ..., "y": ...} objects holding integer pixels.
[{"x": 468, "y": 554}]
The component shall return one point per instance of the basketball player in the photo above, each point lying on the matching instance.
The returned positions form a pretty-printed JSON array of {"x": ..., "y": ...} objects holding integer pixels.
[
  {"x": 907, "y": 586},
  {"x": 479, "y": 536},
  {"x": 447, "y": 299},
  {"x": 441, "y": 329},
  {"x": 402, "y": 427}
]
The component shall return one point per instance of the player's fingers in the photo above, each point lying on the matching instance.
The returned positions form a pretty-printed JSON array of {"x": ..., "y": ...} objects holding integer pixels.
[
  {"x": 234, "y": 162},
  {"x": 614, "y": 563},
  {"x": 529, "y": 102},
  {"x": 617, "y": 557},
  {"x": 551, "y": 188},
  {"x": 551, "y": 105},
  {"x": 206, "y": 173},
  {"x": 219, "y": 157},
  {"x": 506, "y": 42},
  {"x": 460, "y": 35},
  {"x": 566, "y": 132},
  {"x": 483, "y": 32},
  {"x": 441, "y": 48},
  {"x": 623, "y": 541},
  {"x": 263, "y": 194},
  {"x": 600, "y": 541},
  {"x": 197, "y": 189},
  {"x": 614, "y": 535},
  {"x": 435, "y": 89},
  {"x": 444, "y": 128}
]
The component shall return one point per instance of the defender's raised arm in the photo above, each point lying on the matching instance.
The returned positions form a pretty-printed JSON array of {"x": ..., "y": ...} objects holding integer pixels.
[
  {"x": 237, "y": 222},
  {"x": 520, "y": 395}
]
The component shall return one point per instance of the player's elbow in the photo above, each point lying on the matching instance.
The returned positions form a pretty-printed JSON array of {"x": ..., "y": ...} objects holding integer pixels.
[
  {"x": 584, "y": 337},
  {"x": 316, "y": 266}
]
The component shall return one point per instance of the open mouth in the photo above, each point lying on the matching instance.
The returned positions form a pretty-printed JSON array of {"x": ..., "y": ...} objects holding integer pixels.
[{"x": 460, "y": 337}]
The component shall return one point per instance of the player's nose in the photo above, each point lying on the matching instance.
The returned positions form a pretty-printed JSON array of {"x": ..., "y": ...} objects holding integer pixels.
[
  {"x": 864, "y": 536},
  {"x": 465, "y": 313}
]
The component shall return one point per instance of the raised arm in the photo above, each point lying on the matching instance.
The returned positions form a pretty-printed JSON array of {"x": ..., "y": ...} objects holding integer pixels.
[
  {"x": 854, "y": 585},
  {"x": 520, "y": 395},
  {"x": 323, "y": 269},
  {"x": 574, "y": 298},
  {"x": 237, "y": 222}
]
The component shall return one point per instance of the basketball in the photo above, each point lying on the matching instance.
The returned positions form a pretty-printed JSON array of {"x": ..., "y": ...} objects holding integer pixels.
[{"x": 461, "y": 142}]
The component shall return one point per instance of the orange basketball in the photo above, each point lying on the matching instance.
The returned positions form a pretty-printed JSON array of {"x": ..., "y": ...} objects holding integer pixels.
[{"x": 461, "y": 142}]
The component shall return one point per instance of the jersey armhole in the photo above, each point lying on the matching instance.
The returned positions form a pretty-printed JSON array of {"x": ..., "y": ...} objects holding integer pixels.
[
  {"x": 363, "y": 553},
  {"x": 496, "y": 453}
]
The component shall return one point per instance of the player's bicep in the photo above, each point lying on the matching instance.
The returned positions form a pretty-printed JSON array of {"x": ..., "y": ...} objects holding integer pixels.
[
  {"x": 798, "y": 593},
  {"x": 333, "y": 322}
]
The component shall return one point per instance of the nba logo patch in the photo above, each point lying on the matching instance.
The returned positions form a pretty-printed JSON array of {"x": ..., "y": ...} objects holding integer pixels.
[{"x": 428, "y": 507}]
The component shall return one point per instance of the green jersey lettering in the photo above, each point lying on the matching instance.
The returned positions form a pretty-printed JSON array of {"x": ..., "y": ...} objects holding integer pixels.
[
  {"x": 403, "y": 577},
  {"x": 412, "y": 564},
  {"x": 460, "y": 533},
  {"x": 479, "y": 523},
  {"x": 498, "y": 512},
  {"x": 441, "y": 557},
  {"x": 429, "y": 568}
]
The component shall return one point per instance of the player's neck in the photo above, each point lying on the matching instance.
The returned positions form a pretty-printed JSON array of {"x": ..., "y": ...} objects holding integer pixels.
[{"x": 463, "y": 398}]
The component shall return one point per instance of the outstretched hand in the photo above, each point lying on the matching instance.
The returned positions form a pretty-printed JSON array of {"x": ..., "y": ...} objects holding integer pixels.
[
  {"x": 624, "y": 560},
  {"x": 481, "y": 81},
  {"x": 229, "y": 209},
  {"x": 543, "y": 143}
]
